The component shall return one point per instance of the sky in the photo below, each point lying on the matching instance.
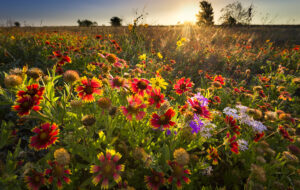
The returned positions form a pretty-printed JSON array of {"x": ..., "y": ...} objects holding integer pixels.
[{"x": 160, "y": 12}]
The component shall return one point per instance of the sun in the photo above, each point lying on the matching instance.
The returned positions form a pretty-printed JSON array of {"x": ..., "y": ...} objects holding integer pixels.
[{"x": 187, "y": 13}]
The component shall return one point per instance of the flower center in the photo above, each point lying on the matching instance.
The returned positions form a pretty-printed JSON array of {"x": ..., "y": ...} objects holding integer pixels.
[
  {"x": 182, "y": 87},
  {"x": 156, "y": 98},
  {"x": 37, "y": 178},
  {"x": 31, "y": 92},
  {"x": 142, "y": 85},
  {"x": 43, "y": 136},
  {"x": 109, "y": 169},
  {"x": 58, "y": 171},
  {"x": 164, "y": 120},
  {"x": 111, "y": 59},
  {"x": 177, "y": 171},
  {"x": 156, "y": 179},
  {"x": 132, "y": 108},
  {"x": 89, "y": 90},
  {"x": 117, "y": 81},
  {"x": 25, "y": 105}
]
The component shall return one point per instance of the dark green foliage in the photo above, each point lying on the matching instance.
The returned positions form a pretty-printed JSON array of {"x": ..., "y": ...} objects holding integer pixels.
[
  {"x": 206, "y": 14},
  {"x": 17, "y": 24},
  {"x": 116, "y": 21},
  {"x": 86, "y": 23}
]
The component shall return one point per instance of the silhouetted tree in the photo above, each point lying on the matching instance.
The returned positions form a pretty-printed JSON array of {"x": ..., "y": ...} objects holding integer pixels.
[
  {"x": 206, "y": 14},
  {"x": 235, "y": 14},
  {"x": 230, "y": 21},
  {"x": 250, "y": 14},
  {"x": 116, "y": 21},
  {"x": 86, "y": 23},
  {"x": 17, "y": 24}
]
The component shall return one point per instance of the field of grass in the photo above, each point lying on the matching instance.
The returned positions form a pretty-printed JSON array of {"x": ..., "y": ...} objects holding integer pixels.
[{"x": 150, "y": 108}]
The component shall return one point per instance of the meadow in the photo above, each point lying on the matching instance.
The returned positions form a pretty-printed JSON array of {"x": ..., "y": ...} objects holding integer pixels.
[{"x": 149, "y": 107}]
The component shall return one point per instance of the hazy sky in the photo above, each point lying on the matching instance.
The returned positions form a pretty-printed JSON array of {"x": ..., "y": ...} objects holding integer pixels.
[{"x": 66, "y": 12}]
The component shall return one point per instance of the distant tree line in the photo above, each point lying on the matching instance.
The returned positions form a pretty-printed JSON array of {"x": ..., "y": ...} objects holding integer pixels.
[
  {"x": 86, "y": 23},
  {"x": 232, "y": 15},
  {"x": 114, "y": 21}
]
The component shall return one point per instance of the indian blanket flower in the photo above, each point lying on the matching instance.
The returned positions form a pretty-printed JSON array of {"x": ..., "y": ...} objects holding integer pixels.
[
  {"x": 220, "y": 79},
  {"x": 233, "y": 124},
  {"x": 88, "y": 87},
  {"x": 263, "y": 79},
  {"x": 163, "y": 121},
  {"x": 135, "y": 108},
  {"x": 64, "y": 59},
  {"x": 285, "y": 96},
  {"x": 155, "y": 180},
  {"x": 213, "y": 155},
  {"x": 196, "y": 124},
  {"x": 139, "y": 86},
  {"x": 262, "y": 94},
  {"x": 158, "y": 83},
  {"x": 33, "y": 90},
  {"x": 25, "y": 104},
  {"x": 183, "y": 85},
  {"x": 34, "y": 180},
  {"x": 284, "y": 133},
  {"x": 178, "y": 174},
  {"x": 57, "y": 174},
  {"x": 107, "y": 169},
  {"x": 156, "y": 98},
  {"x": 198, "y": 108},
  {"x": 258, "y": 136},
  {"x": 216, "y": 100},
  {"x": 111, "y": 58},
  {"x": 117, "y": 82},
  {"x": 232, "y": 141},
  {"x": 45, "y": 136}
]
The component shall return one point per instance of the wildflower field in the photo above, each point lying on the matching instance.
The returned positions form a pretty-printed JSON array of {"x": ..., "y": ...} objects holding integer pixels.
[{"x": 149, "y": 108}]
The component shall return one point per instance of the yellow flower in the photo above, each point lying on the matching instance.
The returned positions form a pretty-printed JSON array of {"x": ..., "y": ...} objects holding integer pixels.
[
  {"x": 12, "y": 37},
  {"x": 91, "y": 67},
  {"x": 141, "y": 66},
  {"x": 179, "y": 43},
  {"x": 143, "y": 57},
  {"x": 183, "y": 40},
  {"x": 159, "y": 55},
  {"x": 130, "y": 27},
  {"x": 158, "y": 83}
]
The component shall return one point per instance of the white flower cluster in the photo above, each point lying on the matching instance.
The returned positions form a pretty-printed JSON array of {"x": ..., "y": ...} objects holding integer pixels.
[
  {"x": 207, "y": 171},
  {"x": 243, "y": 144},
  {"x": 231, "y": 112},
  {"x": 206, "y": 129},
  {"x": 244, "y": 118}
]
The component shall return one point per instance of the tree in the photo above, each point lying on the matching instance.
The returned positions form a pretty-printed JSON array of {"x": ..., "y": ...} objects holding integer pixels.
[
  {"x": 116, "y": 21},
  {"x": 235, "y": 14},
  {"x": 206, "y": 14},
  {"x": 17, "y": 24},
  {"x": 86, "y": 23}
]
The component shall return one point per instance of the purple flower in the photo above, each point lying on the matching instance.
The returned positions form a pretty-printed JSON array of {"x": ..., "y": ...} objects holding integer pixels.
[
  {"x": 169, "y": 132},
  {"x": 203, "y": 101},
  {"x": 196, "y": 124}
]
